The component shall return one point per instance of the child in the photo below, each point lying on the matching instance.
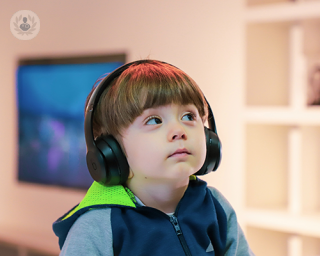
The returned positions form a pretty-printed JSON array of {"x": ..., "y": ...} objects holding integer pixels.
[{"x": 145, "y": 135}]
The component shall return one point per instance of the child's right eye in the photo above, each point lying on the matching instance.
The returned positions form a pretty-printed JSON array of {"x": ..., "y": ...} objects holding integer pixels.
[{"x": 153, "y": 120}]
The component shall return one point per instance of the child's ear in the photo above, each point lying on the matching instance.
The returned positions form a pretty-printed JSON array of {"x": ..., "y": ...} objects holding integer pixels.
[{"x": 130, "y": 174}]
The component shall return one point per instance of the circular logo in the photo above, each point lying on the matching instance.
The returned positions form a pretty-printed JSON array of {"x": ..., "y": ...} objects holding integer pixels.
[{"x": 25, "y": 25}]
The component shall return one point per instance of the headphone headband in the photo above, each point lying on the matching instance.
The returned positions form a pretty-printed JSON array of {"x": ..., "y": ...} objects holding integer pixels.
[{"x": 93, "y": 101}]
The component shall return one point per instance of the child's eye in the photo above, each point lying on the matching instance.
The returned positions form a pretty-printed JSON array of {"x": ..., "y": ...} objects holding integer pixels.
[
  {"x": 153, "y": 120},
  {"x": 189, "y": 117}
]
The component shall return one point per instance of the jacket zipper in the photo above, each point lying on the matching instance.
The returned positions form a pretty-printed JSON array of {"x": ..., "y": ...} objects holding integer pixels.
[{"x": 175, "y": 223}]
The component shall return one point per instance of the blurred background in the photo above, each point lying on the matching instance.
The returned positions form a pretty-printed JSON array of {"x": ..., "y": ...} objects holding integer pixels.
[{"x": 257, "y": 62}]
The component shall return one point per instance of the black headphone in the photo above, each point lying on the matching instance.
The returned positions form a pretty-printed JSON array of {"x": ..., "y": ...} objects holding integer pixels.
[{"x": 106, "y": 161}]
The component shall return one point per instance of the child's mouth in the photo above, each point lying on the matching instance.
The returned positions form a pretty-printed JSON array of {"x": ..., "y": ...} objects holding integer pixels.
[{"x": 180, "y": 153}]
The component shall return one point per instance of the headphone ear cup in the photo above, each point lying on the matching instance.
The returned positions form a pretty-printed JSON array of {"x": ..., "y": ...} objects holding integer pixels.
[
  {"x": 115, "y": 169},
  {"x": 213, "y": 156},
  {"x": 96, "y": 165}
]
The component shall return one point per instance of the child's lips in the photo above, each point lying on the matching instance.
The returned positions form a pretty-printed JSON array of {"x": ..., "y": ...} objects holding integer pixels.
[{"x": 180, "y": 152}]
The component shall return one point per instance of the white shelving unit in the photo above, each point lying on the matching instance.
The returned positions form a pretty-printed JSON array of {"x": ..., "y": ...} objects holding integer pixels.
[{"x": 282, "y": 145}]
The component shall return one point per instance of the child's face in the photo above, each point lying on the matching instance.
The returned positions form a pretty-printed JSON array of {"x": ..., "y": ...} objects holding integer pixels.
[{"x": 165, "y": 143}]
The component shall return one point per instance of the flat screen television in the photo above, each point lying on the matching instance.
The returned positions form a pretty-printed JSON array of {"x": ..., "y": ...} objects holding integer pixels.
[{"x": 51, "y": 94}]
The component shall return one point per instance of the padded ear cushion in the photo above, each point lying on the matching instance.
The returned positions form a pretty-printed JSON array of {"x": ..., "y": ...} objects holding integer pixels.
[
  {"x": 213, "y": 155},
  {"x": 116, "y": 167}
]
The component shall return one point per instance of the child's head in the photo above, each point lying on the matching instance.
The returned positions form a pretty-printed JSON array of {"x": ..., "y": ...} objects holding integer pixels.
[
  {"x": 156, "y": 113},
  {"x": 144, "y": 85}
]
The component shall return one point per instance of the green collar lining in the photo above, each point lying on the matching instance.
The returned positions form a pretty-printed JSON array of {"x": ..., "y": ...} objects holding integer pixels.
[{"x": 99, "y": 194}]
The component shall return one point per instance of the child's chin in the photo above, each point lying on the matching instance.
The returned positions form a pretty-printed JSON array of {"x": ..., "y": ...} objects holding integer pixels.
[{"x": 184, "y": 171}]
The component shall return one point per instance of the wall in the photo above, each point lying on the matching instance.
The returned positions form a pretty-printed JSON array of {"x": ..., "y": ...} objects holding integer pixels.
[{"x": 203, "y": 38}]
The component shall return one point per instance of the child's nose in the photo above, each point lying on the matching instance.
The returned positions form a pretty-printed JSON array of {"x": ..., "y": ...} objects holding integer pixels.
[{"x": 177, "y": 132}]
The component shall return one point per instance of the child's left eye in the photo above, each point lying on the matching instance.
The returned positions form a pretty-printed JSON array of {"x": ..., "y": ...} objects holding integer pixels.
[
  {"x": 188, "y": 117},
  {"x": 153, "y": 120}
]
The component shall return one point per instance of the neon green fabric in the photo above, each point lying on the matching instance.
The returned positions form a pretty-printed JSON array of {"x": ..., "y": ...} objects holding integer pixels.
[
  {"x": 193, "y": 177},
  {"x": 98, "y": 194}
]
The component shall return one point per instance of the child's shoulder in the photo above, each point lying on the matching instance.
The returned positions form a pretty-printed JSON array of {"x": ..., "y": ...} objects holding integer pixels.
[
  {"x": 227, "y": 207},
  {"x": 216, "y": 193},
  {"x": 90, "y": 232}
]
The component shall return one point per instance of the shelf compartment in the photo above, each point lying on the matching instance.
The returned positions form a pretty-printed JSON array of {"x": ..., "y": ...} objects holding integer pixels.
[
  {"x": 284, "y": 11},
  {"x": 264, "y": 242},
  {"x": 313, "y": 83},
  {"x": 311, "y": 29},
  {"x": 267, "y": 166},
  {"x": 310, "y": 169},
  {"x": 267, "y": 57},
  {"x": 311, "y": 43},
  {"x": 310, "y": 246},
  {"x": 281, "y": 59}
]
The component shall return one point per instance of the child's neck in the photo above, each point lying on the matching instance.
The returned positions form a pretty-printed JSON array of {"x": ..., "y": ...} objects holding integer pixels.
[{"x": 162, "y": 196}]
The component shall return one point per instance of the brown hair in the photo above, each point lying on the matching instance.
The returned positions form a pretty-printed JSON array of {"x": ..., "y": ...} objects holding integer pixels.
[{"x": 145, "y": 84}]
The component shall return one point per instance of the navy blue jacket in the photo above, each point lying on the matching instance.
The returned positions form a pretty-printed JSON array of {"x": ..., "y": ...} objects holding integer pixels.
[{"x": 204, "y": 223}]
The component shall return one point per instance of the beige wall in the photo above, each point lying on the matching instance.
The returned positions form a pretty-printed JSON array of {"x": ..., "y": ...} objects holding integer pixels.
[{"x": 204, "y": 38}]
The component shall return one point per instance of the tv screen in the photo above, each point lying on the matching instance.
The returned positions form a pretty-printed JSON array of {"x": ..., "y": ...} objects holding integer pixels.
[{"x": 51, "y": 96}]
